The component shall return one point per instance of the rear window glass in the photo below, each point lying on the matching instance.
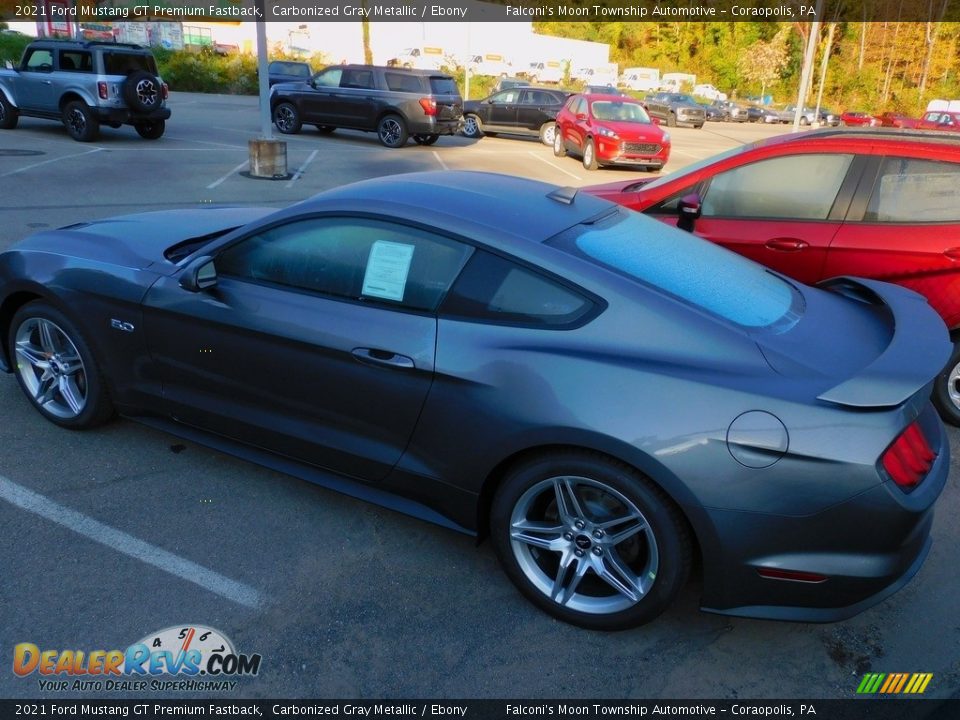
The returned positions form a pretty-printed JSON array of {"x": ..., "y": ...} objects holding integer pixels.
[
  {"x": 691, "y": 269},
  {"x": 441, "y": 85},
  {"x": 115, "y": 63}
]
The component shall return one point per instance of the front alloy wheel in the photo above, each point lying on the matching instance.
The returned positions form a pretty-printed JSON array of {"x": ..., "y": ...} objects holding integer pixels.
[
  {"x": 946, "y": 389},
  {"x": 287, "y": 118},
  {"x": 55, "y": 368},
  {"x": 590, "y": 541}
]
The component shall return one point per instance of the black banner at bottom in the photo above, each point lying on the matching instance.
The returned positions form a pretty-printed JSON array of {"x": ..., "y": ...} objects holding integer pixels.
[{"x": 854, "y": 709}]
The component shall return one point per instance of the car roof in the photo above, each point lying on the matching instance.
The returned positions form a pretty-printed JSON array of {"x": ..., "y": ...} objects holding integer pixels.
[
  {"x": 453, "y": 199},
  {"x": 393, "y": 68},
  {"x": 610, "y": 96},
  {"x": 904, "y": 136}
]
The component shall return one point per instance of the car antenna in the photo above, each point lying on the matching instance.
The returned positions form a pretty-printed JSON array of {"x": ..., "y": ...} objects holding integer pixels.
[{"x": 563, "y": 195}]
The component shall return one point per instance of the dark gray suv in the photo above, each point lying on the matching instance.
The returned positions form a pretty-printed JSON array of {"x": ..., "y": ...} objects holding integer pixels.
[
  {"x": 395, "y": 103},
  {"x": 85, "y": 84}
]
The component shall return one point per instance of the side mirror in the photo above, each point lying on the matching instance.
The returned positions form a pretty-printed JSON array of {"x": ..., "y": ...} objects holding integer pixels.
[
  {"x": 689, "y": 209},
  {"x": 199, "y": 275},
  {"x": 655, "y": 120},
  {"x": 581, "y": 116}
]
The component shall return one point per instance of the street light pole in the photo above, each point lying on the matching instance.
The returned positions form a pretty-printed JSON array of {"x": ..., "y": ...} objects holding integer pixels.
[{"x": 807, "y": 71}]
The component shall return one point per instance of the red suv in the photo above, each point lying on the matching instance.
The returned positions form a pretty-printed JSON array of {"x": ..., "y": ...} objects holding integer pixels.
[
  {"x": 610, "y": 130},
  {"x": 874, "y": 202}
]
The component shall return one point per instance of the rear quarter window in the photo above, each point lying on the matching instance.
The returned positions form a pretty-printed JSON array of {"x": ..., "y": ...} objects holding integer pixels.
[
  {"x": 402, "y": 82},
  {"x": 910, "y": 190},
  {"x": 443, "y": 86}
]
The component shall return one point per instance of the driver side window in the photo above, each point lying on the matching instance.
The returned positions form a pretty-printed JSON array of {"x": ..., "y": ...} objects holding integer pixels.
[
  {"x": 40, "y": 60},
  {"x": 328, "y": 78},
  {"x": 350, "y": 258}
]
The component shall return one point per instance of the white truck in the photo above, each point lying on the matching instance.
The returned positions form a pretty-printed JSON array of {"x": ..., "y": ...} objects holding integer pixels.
[
  {"x": 641, "y": 79},
  {"x": 675, "y": 82},
  {"x": 424, "y": 57},
  {"x": 492, "y": 64}
]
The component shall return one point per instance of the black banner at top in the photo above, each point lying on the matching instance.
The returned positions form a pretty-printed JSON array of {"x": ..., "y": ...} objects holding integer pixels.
[{"x": 470, "y": 11}]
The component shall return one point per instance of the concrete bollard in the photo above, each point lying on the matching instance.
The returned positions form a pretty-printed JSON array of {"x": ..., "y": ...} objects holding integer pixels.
[{"x": 268, "y": 159}]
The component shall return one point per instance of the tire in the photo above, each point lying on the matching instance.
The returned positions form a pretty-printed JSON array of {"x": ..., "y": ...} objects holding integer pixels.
[
  {"x": 82, "y": 125},
  {"x": 547, "y": 131},
  {"x": 559, "y": 149},
  {"x": 804, "y": 121},
  {"x": 151, "y": 130},
  {"x": 143, "y": 91},
  {"x": 472, "y": 127},
  {"x": 425, "y": 139},
  {"x": 56, "y": 369},
  {"x": 671, "y": 120},
  {"x": 325, "y": 129},
  {"x": 590, "y": 156},
  {"x": 9, "y": 115},
  {"x": 946, "y": 389},
  {"x": 698, "y": 127},
  {"x": 287, "y": 118},
  {"x": 562, "y": 508},
  {"x": 392, "y": 131}
]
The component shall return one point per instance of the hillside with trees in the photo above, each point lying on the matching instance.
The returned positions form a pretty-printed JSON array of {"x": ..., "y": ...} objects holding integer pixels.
[{"x": 875, "y": 66}]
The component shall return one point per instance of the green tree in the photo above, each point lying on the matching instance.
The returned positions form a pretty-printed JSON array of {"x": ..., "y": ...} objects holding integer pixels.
[{"x": 765, "y": 60}]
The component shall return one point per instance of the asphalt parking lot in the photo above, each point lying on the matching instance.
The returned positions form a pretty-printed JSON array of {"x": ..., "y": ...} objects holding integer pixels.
[{"x": 112, "y": 534}]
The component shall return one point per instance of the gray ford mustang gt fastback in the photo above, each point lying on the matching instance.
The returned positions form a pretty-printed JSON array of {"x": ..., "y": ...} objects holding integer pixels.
[{"x": 606, "y": 397}]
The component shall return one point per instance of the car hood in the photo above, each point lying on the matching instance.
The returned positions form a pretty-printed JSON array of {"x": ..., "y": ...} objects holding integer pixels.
[
  {"x": 139, "y": 240},
  {"x": 635, "y": 131}
]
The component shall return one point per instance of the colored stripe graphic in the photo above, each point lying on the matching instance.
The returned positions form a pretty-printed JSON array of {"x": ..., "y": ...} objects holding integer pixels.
[{"x": 894, "y": 683}]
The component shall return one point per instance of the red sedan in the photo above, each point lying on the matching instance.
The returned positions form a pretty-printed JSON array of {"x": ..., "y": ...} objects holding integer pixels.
[
  {"x": 610, "y": 130},
  {"x": 878, "y": 203},
  {"x": 894, "y": 119},
  {"x": 852, "y": 118},
  {"x": 940, "y": 120}
]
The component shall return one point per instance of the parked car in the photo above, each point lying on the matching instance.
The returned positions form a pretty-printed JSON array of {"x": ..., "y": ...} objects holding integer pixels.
[
  {"x": 85, "y": 85},
  {"x": 288, "y": 71},
  {"x": 828, "y": 118},
  {"x": 610, "y": 130},
  {"x": 730, "y": 111},
  {"x": 394, "y": 102},
  {"x": 940, "y": 120},
  {"x": 675, "y": 109},
  {"x": 507, "y": 82},
  {"x": 808, "y": 116},
  {"x": 603, "y": 90},
  {"x": 857, "y": 118},
  {"x": 709, "y": 92},
  {"x": 869, "y": 202},
  {"x": 503, "y": 357},
  {"x": 517, "y": 111},
  {"x": 713, "y": 113},
  {"x": 895, "y": 119},
  {"x": 767, "y": 116}
]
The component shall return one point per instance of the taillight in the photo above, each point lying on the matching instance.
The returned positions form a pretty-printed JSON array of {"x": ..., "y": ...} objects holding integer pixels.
[
  {"x": 102, "y": 90},
  {"x": 429, "y": 106},
  {"x": 909, "y": 458},
  {"x": 166, "y": 91}
]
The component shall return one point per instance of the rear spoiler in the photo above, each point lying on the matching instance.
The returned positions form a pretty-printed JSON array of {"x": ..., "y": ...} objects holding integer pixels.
[{"x": 919, "y": 347}]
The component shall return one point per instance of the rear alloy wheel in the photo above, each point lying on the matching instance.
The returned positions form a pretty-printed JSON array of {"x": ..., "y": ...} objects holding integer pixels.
[
  {"x": 80, "y": 121},
  {"x": 559, "y": 149},
  {"x": 472, "y": 127},
  {"x": 392, "y": 131},
  {"x": 151, "y": 130},
  {"x": 547, "y": 133},
  {"x": 287, "y": 118},
  {"x": 8, "y": 114},
  {"x": 56, "y": 369},
  {"x": 946, "y": 389},
  {"x": 590, "y": 540},
  {"x": 590, "y": 156},
  {"x": 425, "y": 139}
]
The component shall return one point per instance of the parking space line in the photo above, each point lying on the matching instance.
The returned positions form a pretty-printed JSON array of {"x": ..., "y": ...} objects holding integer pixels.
[
  {"x": 206, "y": 142},
  {"x": 555, "y": 166},
  {"x": 299, "y": 172},
  {"x": 214, "y": 184},
  {"x": 440, "y": 160},
  {"x": 51, "y": 160},
  {"x": 129, "y": 545}
]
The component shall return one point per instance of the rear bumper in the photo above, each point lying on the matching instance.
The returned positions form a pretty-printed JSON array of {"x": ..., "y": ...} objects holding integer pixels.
[
  {"x": 867, "y": 548},
  {"x": 127, "y": 117},
  {"x": 431, "y": 126}
]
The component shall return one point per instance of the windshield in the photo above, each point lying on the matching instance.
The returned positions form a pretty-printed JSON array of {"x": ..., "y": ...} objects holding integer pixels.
[
  {"x": 691, "y": 269},
  {"x": 619, "y": 111},
  {"x": 677, "y": 97}
]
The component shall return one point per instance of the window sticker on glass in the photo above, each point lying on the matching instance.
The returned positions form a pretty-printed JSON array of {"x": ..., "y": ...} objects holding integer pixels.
[{"x": 387, "y": 270}]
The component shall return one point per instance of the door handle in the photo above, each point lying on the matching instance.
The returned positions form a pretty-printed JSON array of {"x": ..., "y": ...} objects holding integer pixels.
[
  {"x": 787, "y": 244},
  {"x": 372, "y": 356}
]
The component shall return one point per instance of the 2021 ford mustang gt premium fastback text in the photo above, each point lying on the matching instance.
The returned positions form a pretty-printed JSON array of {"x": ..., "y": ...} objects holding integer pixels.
[{"x": 603, "y": 395}]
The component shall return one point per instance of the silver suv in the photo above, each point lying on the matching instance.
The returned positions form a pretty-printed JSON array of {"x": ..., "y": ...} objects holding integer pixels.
[{"x": 84, "y": 84}]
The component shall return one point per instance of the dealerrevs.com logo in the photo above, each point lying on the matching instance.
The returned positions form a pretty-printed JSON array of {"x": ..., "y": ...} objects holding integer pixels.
[{"x": 182, "y": 657}]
